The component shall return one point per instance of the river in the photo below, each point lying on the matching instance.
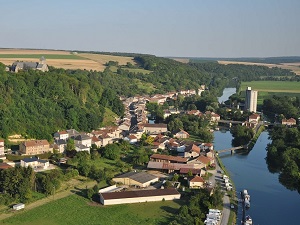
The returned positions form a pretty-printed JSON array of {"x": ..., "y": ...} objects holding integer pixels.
[
  {"x": 227, "y": 92},
  {"x": 271, "y": 202}
]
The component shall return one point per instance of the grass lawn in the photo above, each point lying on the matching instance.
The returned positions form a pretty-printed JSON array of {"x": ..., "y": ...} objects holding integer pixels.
[
  {"x": 148, "y": 87},
  {"x": 75, "y": 209},
  {"x": 109, "y": 117},
  {"x": 138, "y": 70},
  {"x": 272, "y": 86},
  {"x": 37, "y": 56},
  {"x": 194, "y": 138}
]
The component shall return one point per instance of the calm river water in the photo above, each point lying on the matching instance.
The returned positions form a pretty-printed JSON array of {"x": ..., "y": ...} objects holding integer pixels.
[{"x": 271, "y": 202}]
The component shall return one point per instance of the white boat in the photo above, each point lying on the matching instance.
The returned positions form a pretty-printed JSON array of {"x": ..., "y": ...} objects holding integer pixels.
[
  {"x": 247, "y": 204},
  {"x": 248, "y": 220}
]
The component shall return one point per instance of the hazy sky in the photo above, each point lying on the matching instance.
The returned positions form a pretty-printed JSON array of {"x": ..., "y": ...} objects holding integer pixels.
[{"x": 195, "y": 28}]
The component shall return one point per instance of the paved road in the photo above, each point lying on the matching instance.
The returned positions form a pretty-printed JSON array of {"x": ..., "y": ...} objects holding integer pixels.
[
  {"x": 217, "y": 177},
  {"x": 226, "y": 210}
]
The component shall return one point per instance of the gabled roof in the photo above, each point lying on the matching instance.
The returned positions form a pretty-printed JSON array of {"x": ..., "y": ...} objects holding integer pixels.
[
  {"x": 95, "y": 139},
  {"x": 162, "y": 125},
  {"x": 82, "y": 137},
  {"x": 141, "y": 177},
  {"x": 169, "y": 157},
  {"x": 186, "y": 170},
  {"x": 204, "y": 159},
  {"x": 197, "y": 179},
  {"x": 193, "y": 148},
  {"x": 254, "y": 116},
  {"x": 36, "y": 143},
  {"x": 4, "y": 166}
]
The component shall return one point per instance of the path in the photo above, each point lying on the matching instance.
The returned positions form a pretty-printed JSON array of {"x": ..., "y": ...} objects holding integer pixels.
[
  {"x": 51, "y": 198},
  {"x": 226, "y": 200}
]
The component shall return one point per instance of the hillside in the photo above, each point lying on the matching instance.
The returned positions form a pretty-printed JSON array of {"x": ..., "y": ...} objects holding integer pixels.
[{"x": 36, "y": 104}]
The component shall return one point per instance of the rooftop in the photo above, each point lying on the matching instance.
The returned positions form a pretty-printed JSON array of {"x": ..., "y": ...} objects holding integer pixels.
[
  {"x": 139, "y": 194},
  {"x": 141, "y": 177}
]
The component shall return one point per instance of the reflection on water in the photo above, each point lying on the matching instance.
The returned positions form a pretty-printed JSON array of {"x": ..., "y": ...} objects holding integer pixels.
[{"x": 271, "y": 203}]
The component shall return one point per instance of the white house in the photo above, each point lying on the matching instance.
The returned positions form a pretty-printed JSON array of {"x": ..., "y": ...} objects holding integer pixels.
[
  {"x": 35, "y": 163},
  {"x": 196, "y": 183},
  {"x": 61, "y": 135},
  {"x": 83, "y": 139},
  {"x": 132, "y": 139}
]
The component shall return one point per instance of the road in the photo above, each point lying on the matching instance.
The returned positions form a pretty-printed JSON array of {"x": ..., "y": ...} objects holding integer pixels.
[{"x": 217, "y": 178}]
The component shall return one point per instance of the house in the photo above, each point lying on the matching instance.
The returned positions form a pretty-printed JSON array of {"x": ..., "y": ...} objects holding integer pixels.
[
  {"x": 34, "y": 147},
  {"x": 137, "y": 179},
  {"x": 191, "y": 151},
  {"x": 105, "y": 139},
  {"x": 83, "y": 139},
  {"x": 81, "y": 148},
  {"x": 131, "y": 139},
  {"x": 205, "y": 160},
  {"x": 60, "y": 145},
  {"x": 96, "y": 141},
  {"x": 181, "y": 134},
  {"x": 72, "y": 133},
  {"x": 215, "y": 117},
  {"x": 207, "y": 147},
  {"x": 155, "y": 128},
  {"x": 289, "y": 122},
  {"x": 61, "y": 135},
  {"x": 4, "y": 166},
  {"x": 167, "y": 158},
  {"x": 196, "y": 182},
  {"x": 254, "y": 118},
  {"x": 20, "y": 65},
  {"x": 199, "y": 172},
  {"x": 35, "y": 163},
  {"x": 113, "y": 198},
  {"x": 194, "y": 112},
  {"x": 1, "y": 147}
]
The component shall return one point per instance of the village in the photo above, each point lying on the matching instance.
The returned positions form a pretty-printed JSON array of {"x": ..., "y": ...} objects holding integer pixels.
[{"x": 174, "y": 154}]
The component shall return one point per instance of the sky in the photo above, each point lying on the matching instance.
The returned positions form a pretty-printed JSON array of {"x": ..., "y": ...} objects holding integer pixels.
[{"x": 179, "y": 28}]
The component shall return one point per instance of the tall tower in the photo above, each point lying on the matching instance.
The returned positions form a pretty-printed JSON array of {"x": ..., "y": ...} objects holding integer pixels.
[{"x": 251, "y": 100}]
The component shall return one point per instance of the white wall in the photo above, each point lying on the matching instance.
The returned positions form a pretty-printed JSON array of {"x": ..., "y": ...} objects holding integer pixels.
[{"x": 137, "y": 200}]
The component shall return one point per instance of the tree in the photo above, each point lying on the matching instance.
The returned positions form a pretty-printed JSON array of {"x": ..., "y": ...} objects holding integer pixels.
[
  {"x": 90, "y": 192},
  {"x": 70, "y": 145},
  {"x": 112, "y": 151}
]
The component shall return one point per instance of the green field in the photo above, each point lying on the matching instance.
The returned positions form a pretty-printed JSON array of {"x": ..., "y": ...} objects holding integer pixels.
[
  {"x": 47, "y": 56},
  {"x": 268, "y": 88},
  {"x": 132, "y": 70},
  {"x": 109, "y": 118},
  {"x": 75, "y": 209},
  {"x": 272, "y": 86},
  {"x": 138, "y": 70}
]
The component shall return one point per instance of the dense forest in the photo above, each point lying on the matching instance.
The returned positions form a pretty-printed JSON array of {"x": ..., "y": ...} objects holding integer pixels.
[
  {"x": 280, "y": 107},
  {"x": 36, "y": 104},
  {"x": 283, "y": 155}
]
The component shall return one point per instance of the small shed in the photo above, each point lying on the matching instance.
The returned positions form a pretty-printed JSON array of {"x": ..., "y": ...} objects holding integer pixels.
[{"x": 19, "y": 206}]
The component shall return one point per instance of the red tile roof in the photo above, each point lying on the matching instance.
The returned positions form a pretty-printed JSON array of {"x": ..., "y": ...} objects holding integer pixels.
[
  {"x": 169, "y": 157},
  {"x": 139, "y": 194},
  {"x": 197, "y": 179},
  {"x": 4, "y": 166},
  {"x": 205, "y": 160},
  {"x": 36, "y": 143}
]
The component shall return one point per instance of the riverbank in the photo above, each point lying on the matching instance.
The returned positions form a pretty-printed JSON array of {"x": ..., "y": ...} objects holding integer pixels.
[{"x": 231, "y": 194}]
